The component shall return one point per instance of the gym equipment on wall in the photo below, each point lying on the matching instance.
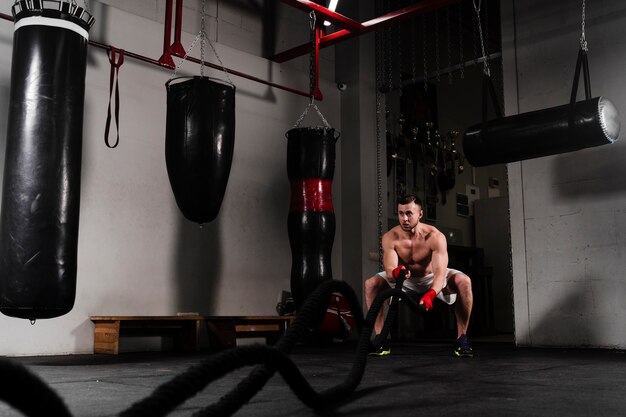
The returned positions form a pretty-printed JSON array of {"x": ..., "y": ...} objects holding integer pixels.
[
  {"x": 199, "y": 138},
  {"x": 551, "y": 131},
  {"x": 41, "y": 190}
]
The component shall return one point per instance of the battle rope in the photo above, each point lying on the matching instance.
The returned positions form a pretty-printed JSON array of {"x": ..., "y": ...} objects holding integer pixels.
[
  {"x": 18, "y": 388},
  {"x": 173, "y": 393}
]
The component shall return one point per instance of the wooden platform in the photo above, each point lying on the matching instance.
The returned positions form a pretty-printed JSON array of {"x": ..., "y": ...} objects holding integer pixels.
[{"x": 223, "y": 330}]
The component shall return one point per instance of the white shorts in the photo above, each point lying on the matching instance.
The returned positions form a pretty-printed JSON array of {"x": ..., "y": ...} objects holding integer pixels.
[{"x": 420, "y": 285}]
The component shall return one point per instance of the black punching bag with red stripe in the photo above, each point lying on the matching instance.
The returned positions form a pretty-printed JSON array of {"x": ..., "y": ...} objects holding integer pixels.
[
  {"x": 41, "y": 191},
  {"x": 311, "y": 222}
]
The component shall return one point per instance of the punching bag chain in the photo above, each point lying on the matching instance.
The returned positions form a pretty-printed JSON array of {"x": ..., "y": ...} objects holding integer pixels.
[
  {"x": 313, "y": 27},
  {"x": 379, "y": 176},
  {"x": 480, "y": 34},
  {"x": 424, "y": 52},
  {"x": 583, "y": 40},
  {"x": 461, "y": 59},
  {"x": 203, "y": 38},
  {"x": 437, "y": 64}
]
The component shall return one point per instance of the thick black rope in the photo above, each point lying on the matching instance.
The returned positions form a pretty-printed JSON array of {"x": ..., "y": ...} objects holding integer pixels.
[
  {"x": 173, "y": 393},
  {"x": 27, "y": 393},
  {"x": 18, "y": 386}
]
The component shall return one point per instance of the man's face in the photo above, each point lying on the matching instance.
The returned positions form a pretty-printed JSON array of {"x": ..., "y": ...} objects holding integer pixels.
[{"x": 409, "y": 215}]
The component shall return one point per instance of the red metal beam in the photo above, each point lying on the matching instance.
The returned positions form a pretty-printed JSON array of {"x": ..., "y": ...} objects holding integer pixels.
[
  {"x": 388, "y": 19},
  {"x": 333, "y": 17},
  {"x": 189, "y": 58}
]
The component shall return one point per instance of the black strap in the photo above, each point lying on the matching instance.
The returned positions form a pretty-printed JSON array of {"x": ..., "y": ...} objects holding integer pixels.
[
  {"x": 489, "y": 91},
  {"x": 581, "y": 62},
  {"x": 114, "y": 79}
]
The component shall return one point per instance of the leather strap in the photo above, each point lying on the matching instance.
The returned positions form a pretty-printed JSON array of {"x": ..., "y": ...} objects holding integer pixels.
[{"x": 114, "y": 79}]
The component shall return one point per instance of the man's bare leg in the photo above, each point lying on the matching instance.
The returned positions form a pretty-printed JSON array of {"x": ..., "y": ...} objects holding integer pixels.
[
  {"x": 373, "y": 286},
  {"x": 462, "y": 285}
]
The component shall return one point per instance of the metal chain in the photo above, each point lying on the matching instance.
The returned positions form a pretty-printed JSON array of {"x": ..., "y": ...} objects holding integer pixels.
[
  {"x": 474, "y": 40},
  {"x": 486, "y": 13},
  {"x": 312, "y": 27},
  {"x": 424, "y": 52},
  {"x": 390, "y": 54},
  {"x": 193, "y": 45},
  {"x": 583, "y": 40},
  {"x": 449, "y": 45},
  {"x": 203, "y": 37},
  {"x": 461, "y": 58},
  {"x": 413, "y": 59},
  {"x": 437, "y": 46},
  {"x": 482, "y": 42},
  {"x": 398, "y": 46},
  {"x": 379, "y": 179}
]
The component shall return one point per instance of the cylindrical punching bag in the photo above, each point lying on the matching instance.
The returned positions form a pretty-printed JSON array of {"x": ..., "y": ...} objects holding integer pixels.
[
  {"x": 199, "y": 144},
  {"x": 540, "y": 133},
  {"x": 311, "y": 221},
  {"x": 41, "y": 189}
]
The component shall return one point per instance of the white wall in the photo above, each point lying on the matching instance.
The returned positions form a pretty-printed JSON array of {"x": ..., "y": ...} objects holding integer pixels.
[
  {"x": 137, "y": 253},
  {"x": 567, "y": 211}
]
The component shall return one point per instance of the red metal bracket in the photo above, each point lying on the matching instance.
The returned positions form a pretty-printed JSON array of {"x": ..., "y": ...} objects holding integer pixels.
[
  {"x": 352, "y": 29},
  {"x": 317, "y": 93},
  {"x": 175, "y": 48}
]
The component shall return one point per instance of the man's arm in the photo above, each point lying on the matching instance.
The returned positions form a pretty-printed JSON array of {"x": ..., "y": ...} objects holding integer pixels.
[
  {"x": 439, "y": 261},
  {"x": 390, "y": 256}
]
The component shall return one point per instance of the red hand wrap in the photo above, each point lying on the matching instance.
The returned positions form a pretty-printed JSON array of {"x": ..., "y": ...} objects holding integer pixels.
[
  {"x": 428, "y": 298},
  {"x": 396, "y": 271}
]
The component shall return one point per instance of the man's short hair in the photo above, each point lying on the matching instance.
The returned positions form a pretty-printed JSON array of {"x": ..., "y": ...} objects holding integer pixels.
[{"x": 410, "y": 198}]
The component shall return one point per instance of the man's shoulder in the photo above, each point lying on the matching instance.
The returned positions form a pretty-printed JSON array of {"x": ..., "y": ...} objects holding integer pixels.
[
  {"x": 433, "y": 232},
  {"x": 392, "y": 234}
]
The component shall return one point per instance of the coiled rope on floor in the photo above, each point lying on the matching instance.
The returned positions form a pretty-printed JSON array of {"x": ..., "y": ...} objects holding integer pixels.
[{"x": 271, "y": 359}]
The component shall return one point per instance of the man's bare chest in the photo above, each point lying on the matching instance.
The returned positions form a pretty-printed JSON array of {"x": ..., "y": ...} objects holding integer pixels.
[{"x": 414, "y": 252}]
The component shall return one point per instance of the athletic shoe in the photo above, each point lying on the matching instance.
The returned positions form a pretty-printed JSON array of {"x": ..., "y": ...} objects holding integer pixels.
[
  {"x": 462, "y": 347},
  {"x": 384, "y": 350}
]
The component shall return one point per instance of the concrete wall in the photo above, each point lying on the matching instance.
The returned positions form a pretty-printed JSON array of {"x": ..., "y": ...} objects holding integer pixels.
[
  {"x": 567, "y": 211},
  {"x": 137, "y": 254}
]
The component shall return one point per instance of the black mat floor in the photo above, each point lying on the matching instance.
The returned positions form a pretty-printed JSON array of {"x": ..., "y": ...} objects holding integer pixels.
[{"x": 417, "y": 379}]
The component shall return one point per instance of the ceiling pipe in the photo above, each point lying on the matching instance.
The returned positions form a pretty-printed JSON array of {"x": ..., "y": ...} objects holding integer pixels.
[{"x": 380, "y": 22}]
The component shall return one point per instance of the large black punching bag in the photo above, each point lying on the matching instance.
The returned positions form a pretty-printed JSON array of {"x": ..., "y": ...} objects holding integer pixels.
[
  {"x": 552, "y": 131},
  {"x": 311, "y": 221},
  {"x": 199, "y": 144},
  {"x": 41, "y": 189}
]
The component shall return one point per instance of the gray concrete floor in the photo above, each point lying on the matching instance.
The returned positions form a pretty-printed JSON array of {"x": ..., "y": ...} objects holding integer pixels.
[{"x": 417, "y": 379}]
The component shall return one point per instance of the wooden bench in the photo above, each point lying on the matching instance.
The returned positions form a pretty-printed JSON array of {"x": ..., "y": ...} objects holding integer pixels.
[
  {"x": 223, "y": 331},
  {"x": 108, "y": 329}
]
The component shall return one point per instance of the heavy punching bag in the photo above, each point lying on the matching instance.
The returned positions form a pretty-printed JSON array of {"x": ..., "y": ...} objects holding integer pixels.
[
  {"x": 199, "y": 144},
  {"x": 311, "y": 220},
  {"x": 566, "y": 128},
  {"x": 41, "y": 189}
]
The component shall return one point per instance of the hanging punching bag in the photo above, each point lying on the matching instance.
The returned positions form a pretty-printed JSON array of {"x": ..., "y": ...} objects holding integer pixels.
[
  {"x": 199, "y": 144},
  {"x": 541, "y": 133},
  {"x": 311, "y": 220},
  {"x": 41, "y": 189},
  {"x": 566, "y": 128}
]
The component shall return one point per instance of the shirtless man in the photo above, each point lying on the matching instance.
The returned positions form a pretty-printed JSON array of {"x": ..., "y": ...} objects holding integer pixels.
[{"x": 421, "y": 249}]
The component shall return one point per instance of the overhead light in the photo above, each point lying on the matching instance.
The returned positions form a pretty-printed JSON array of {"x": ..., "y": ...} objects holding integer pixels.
[{"x": 332, "y": 6}]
